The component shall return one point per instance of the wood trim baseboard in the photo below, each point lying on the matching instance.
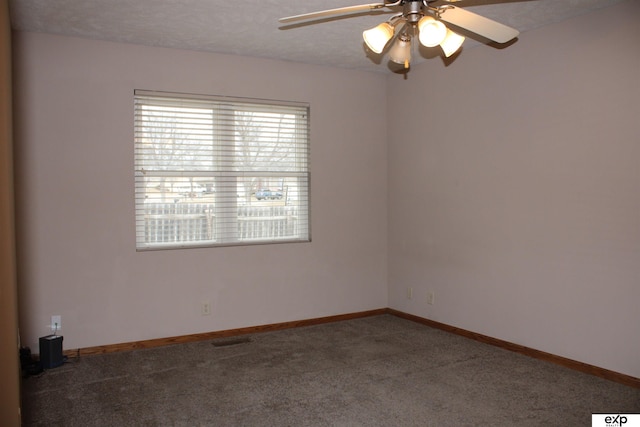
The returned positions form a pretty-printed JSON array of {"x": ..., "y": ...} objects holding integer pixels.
[
  {"x": 159, "y": 342},
  {"x": 517, "y": 348},
  {"x": 527, "y": 351}
]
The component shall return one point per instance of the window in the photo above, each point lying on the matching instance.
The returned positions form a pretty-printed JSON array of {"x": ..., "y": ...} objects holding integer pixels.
[{"x": 218, "y": 171}]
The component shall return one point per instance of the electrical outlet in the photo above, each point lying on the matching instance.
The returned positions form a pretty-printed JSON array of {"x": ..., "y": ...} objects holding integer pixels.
[
  {"x": 205, "y": 308},
  {"x": 56, "y": 323},
  {"x": 409, "y": 293},
  {"x": 431, "y": 298}
]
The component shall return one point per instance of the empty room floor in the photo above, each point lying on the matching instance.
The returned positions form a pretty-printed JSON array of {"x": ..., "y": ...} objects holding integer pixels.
[{"x": 373, "y": 371}]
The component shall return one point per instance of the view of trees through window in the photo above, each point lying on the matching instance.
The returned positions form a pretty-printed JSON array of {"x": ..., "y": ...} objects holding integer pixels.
[{"x": 215, "y": 171}]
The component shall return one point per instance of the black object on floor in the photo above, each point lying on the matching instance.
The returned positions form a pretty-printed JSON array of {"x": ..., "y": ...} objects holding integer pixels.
[
  {"x": 51, "y": 351},
  {"x": 28, "y": 364}
]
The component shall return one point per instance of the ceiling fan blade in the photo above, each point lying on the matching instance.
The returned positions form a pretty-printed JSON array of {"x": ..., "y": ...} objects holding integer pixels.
[
  {"x": 480, "y": 25},
  {"x": 331, "y": 12}
]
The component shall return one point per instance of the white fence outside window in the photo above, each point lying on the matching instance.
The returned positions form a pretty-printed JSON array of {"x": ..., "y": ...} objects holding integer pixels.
[{"x": 196, "y": 222}]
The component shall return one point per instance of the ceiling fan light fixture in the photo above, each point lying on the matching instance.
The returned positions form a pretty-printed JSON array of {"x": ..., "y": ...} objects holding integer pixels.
[
  {"x": 451, "y": 43},
  {"x": 378, "y": 37},
  {"x": 400, "y": 52},
  {"x": 432, "y": 31},
  {"x": 424, "y": 20}
]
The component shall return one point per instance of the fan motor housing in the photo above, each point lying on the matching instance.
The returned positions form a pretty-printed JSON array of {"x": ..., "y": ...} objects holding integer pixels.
[{"x": 412, "y": 10}]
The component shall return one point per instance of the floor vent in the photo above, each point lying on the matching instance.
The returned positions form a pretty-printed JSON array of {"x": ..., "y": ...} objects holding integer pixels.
[{"x": 227, "y": 343}]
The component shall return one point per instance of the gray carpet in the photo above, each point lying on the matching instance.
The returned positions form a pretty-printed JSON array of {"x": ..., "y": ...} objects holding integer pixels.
[{"x": 376, "y": 371}]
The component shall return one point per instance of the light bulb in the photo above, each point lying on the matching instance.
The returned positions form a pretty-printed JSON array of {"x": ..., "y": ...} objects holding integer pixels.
[
  {"x": 400, "y": 52},
  {"x": 451, "y": 43},
  {"x": 378, "y": 37},
  {"x": 432, "y": 32}
]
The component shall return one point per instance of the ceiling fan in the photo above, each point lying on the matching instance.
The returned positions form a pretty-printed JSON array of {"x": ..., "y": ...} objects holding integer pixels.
[{"x": 421, "y": 19}]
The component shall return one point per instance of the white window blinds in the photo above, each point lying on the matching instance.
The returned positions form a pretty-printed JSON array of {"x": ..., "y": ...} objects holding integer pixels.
[{"x": 217, "y": 171}]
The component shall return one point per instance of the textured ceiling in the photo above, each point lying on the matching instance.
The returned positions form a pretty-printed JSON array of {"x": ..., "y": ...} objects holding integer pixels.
[{"x": 251, "y": 27}]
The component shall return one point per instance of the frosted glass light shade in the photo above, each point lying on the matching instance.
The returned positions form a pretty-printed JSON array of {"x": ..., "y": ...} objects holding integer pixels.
[
  {"x": 378, "y": 37},
  {"x": 451, "y": 43},
  {"x": 432, "y": 32},
  {"x": 400, "y": 52}
]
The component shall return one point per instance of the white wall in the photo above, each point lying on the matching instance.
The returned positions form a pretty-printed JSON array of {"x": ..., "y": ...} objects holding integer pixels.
[
  {"x": 514, "y": 190},
  {"x": 514, "y": 193},
  {"x": 74, "y": 164}
]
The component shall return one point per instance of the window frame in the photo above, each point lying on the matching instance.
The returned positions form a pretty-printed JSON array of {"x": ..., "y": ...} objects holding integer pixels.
[{"x": 226, "y": 210}]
